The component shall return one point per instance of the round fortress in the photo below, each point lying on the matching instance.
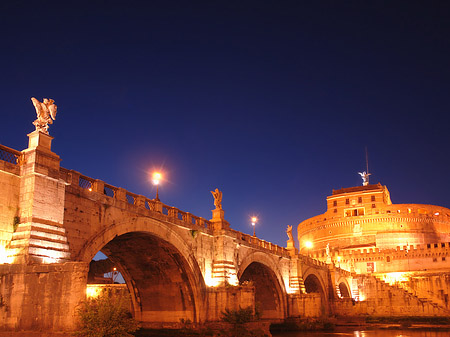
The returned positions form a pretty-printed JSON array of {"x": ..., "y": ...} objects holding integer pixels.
[{"x": 364, "y": 217}]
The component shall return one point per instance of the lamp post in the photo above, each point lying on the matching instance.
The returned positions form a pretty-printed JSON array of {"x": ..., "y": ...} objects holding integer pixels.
[
  {"x": 254, "y": 221},
  {"x": 156, "y": 178}
]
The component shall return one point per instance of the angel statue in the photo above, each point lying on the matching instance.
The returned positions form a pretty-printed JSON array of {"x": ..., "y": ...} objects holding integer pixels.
[
  {"x": 46, "y": 114},
  {"x": 217, "y": 198},
  {"x": 289, "y": 233},
  {"x": 365, "y": 177}
]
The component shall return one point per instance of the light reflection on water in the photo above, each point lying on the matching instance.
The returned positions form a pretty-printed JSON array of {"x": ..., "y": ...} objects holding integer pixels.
[{"x": 367, "y": 333}]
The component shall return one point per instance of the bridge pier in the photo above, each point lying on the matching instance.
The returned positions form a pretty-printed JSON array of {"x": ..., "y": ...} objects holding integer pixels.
[
  {"x": 40, "y": 236},
  {"x": 41, "y": 297}
]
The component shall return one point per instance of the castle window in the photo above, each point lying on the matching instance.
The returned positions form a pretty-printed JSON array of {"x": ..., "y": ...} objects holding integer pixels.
[
  {"x": 354, "y": 212},
  {"x": 335, "y": 210},
  {"x": 372, "y": 198},
  {"x": 434, "y": 259},
  {"x": 443, "y": 244},
  {"x": 373, "y": 205},
  {"x": 388, "y": 259},
  {"x": 347, "y": 201},
  {"x": 359, "y": 200},
  {"x": 335, "y": 203},
  {"x": 443, "y": 258}
]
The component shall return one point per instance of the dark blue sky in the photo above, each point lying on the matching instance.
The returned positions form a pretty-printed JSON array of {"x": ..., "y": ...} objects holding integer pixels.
[{"x": 272, "y": 102}]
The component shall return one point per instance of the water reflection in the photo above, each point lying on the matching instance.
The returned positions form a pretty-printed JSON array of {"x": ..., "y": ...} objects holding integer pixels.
[{"x": 367, "y": 333}]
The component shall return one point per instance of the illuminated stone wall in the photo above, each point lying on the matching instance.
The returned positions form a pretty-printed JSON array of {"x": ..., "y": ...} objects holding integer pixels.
[
  {"x": 377, "y": 298},
  {"x": 9, "y": 204},
  {"x": 41, "y": 297}
]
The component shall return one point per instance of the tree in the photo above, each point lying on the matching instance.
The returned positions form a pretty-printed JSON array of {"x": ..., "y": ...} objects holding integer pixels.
[{"x": 106, "y": 316}]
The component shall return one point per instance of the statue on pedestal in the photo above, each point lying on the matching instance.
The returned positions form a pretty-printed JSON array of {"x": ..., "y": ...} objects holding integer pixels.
[
  {"x": 289, "y": 233},
  {"x": 46, "y": 114},
  {"x": 365, "y": 177},
  {"x": 217, "y": 198}
]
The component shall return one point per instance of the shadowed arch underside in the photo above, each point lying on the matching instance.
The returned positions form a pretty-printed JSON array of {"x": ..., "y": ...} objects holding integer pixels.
[
  {"x": 343, "y": 289},
  {"x": 157, "y": 275},
  {"x": 312, "y": 285},
  {"x": 268, "y": 293}
]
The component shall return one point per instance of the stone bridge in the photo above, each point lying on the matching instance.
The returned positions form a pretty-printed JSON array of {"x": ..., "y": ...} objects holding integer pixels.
[{"x": 176, "y": 266}]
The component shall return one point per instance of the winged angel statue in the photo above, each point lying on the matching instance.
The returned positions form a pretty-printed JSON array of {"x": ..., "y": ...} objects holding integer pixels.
[{"x": 46, "y": 114}]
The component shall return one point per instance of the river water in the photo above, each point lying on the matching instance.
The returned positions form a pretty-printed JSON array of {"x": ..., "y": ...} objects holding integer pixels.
[{"x": 367, "y": 333}]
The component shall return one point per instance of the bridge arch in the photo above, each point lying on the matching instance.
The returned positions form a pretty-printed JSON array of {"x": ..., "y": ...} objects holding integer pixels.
[
  {"x": 261, "y": 269},
  {"x": 314, "y": 282},
  {"x": 344, "y": 287},
  {"x": 159, "y": 268}
]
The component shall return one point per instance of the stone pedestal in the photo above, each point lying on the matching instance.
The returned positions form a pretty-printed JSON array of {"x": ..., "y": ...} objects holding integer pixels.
[
  {"x": 39, "y": 140},
  {"x": 223, "y": 269},
  {"x": 40, "y": 236},
  {"x": 290, "y": 246},
  {"x": 218, "y": 219}
]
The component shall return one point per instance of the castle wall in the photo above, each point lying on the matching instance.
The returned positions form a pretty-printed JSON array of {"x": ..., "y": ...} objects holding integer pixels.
[{"x": 377, "y": 298}]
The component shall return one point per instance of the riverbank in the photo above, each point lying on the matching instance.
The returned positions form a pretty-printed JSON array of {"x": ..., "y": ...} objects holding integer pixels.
[{"x": 362, "y": 323}]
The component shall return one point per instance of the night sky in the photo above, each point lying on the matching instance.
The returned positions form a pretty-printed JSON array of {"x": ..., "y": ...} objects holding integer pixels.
[{"x": 272, "y": 102}]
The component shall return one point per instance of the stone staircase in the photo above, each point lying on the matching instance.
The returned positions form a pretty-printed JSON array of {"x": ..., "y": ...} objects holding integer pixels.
[
  {"x": 415, "y": 286},
  {"x": 407, "y": 302}
]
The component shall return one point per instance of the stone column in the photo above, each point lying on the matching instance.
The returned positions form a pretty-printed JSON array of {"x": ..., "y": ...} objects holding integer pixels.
[
  {"x": 223, "y": 269},
  {"x": 40, "y": 236}
]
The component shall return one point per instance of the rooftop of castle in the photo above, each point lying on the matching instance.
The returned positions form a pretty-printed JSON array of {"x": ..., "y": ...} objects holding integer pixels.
[{"x": 357, "y": 189}]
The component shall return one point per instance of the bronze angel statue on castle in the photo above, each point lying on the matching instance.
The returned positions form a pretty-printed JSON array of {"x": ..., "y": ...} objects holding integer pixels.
[{"x": 46, "y": 114}]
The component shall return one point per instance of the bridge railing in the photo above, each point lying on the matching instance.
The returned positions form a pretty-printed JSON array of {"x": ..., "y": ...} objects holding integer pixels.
[
  {"x": 9, "y": 155},
  {"x": 254, "y": 241},
  {"x": 311, "y": 261},
  {"x": 98, "y": 186}
]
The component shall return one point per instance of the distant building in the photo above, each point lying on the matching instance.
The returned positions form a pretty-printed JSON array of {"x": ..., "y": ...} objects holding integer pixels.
[{"x": 364, "y": 217}]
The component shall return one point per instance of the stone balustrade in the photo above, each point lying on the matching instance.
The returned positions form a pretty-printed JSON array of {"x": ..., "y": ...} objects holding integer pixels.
[
  {"x": 10, "y": 158},
  {"x": 9, "y": 155},
  {"x": 247, "y": 239},
  {"x": 97, "y": 186}
]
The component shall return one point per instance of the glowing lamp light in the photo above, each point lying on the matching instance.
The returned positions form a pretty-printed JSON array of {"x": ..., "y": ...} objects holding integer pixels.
[
  {"x": 254, "y": 220},
  {"x": 156, "y": 178},
  {"x": 92, "y": 291},
  {"x": 308, "y": 244}
]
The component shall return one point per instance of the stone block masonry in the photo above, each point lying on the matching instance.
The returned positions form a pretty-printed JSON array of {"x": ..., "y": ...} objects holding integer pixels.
[{"x": 41, "y": 297}]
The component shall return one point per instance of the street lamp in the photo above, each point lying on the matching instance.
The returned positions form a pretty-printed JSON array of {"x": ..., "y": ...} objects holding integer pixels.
[
  {"x": 156, "y": 178},
  {"x": 308, "y": 245},
  {"x": 254, "y": 221}
]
